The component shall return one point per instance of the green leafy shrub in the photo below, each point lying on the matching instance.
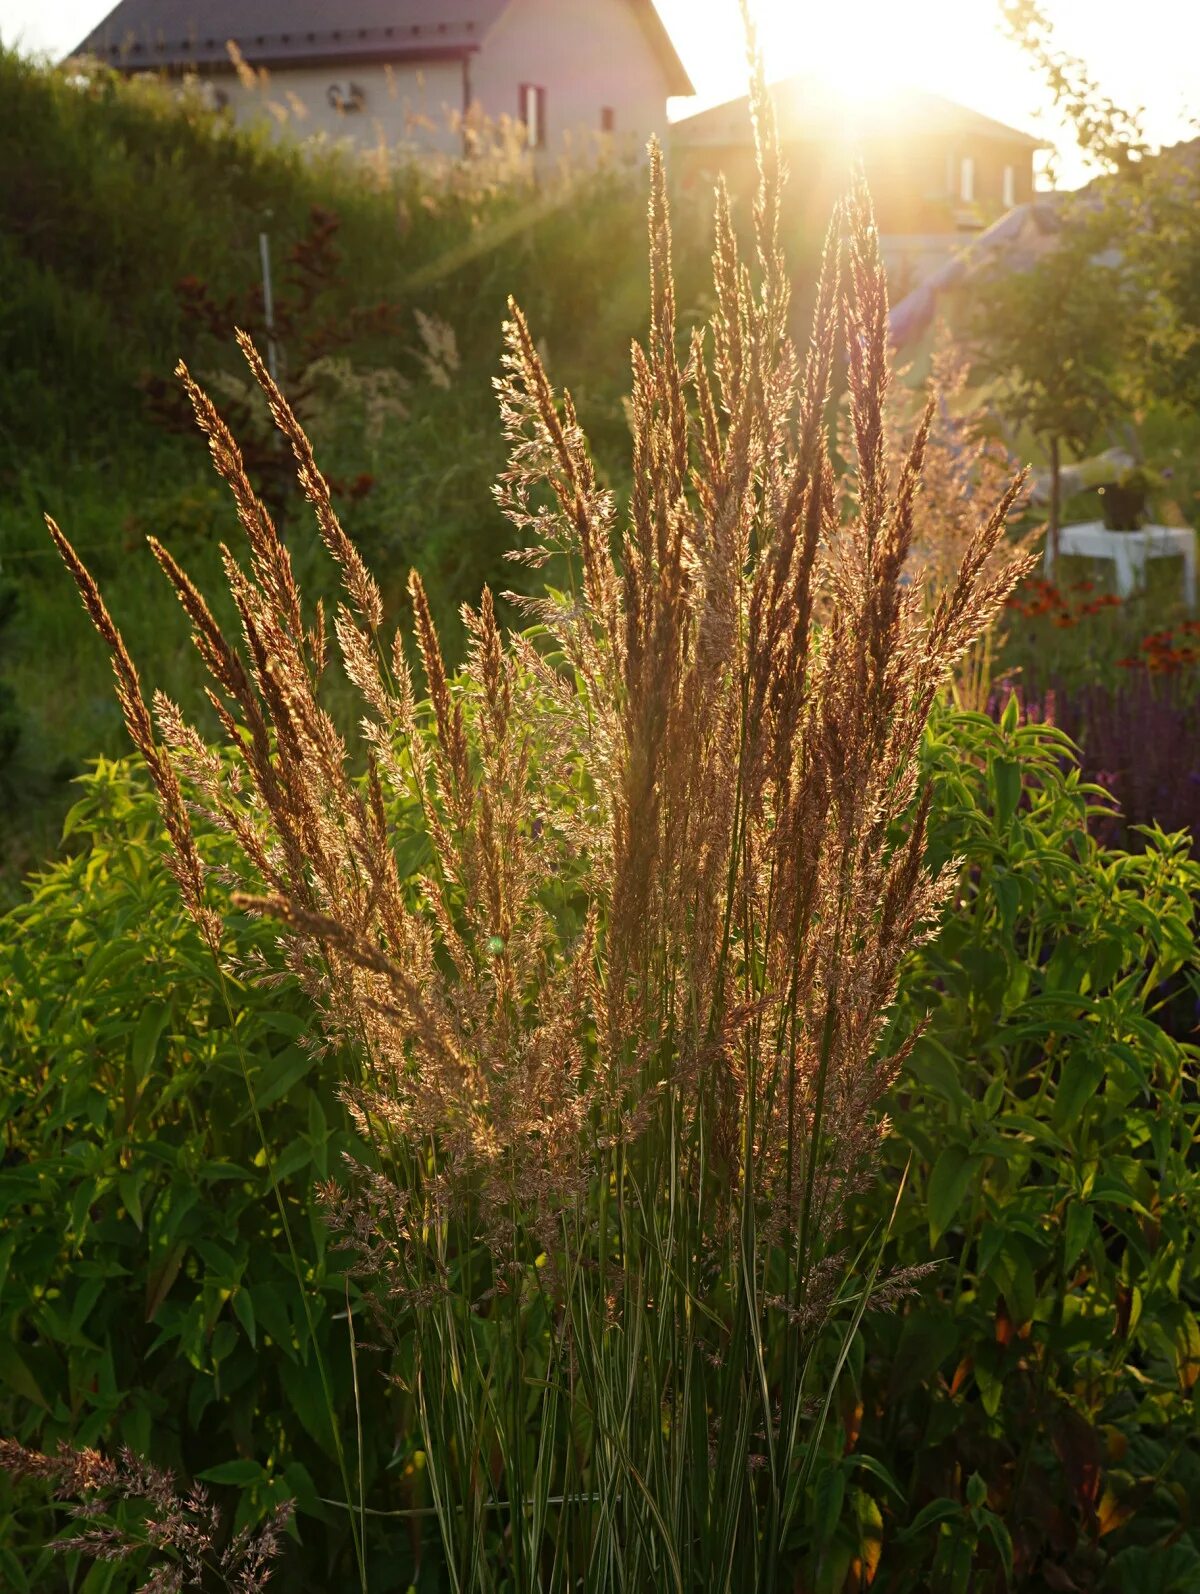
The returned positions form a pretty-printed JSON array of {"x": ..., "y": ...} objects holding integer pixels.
[
  {"x": 1050, "y": 977},
  {"x": 1036, "y": 1408},
  {"x": 147, "y": 1294}
]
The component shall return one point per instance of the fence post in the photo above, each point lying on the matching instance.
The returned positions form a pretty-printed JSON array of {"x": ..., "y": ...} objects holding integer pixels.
[{"x": 264, "y": 254}]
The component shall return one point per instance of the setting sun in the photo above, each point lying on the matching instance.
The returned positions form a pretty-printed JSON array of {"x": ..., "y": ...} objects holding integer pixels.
[
  {"x": 857, "y": 49},
  {"x": 863, "y": 49}
]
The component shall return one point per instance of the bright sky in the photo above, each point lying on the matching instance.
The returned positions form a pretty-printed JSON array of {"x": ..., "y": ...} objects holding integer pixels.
[{"x": 1145, "y": 54}]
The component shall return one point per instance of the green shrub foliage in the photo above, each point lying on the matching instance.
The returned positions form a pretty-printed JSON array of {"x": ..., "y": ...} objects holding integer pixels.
[
  {"x": 1036, "y": 1405},
  {"x": 1032, "y": 1408},
  {"x": 147, "y": 1295}
]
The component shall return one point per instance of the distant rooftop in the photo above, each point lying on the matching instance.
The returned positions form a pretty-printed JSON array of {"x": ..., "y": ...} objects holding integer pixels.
[
  {"x": 808, "y": 107},
  {"x": 174, "y": 35}
]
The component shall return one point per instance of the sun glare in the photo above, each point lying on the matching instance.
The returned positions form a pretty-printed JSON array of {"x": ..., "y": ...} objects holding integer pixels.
[
  {"x": 862, "y": 50},
  {"x": 851, "y": 48}
]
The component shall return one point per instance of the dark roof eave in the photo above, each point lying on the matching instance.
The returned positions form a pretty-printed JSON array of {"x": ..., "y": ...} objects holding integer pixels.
[{"x": 176, "y": 62}]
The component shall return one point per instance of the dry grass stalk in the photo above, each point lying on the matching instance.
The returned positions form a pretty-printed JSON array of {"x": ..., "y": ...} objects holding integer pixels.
[
  {"x": 630, "y": 1019},
  {"x": 965, "y": 464},
  {"x": 184, "y": 1531}
]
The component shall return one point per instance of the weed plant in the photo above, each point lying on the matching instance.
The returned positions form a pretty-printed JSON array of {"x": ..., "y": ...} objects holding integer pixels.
[{"x": 616, "y": 1050}]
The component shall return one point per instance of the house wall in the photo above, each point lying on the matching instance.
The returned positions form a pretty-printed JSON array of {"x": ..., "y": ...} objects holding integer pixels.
[
  {"x": 991, "y": 155},
  {"x": 587, "y": 54},
  {"x": 914, "y": 181},
  {"x": 405, "y": 105}
]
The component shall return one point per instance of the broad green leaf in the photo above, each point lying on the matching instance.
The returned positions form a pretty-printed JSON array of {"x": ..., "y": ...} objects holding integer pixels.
[
  {"x": 302, "y": 1389},
  {"x": 243, "y": 1306},
  {"x": 152, "y": 1020},
  {"x": 15, "y": 1373},
  {"x": 1077, "y": 1231},
  {"x": 1169, "y": 1569},
  {"x": 160, "y": 1280},
  {"x": 242, "y": 1473},
  {"x": 948, "y": 1184},
  {"x": 926, "y": 1339},
  {"x": 1081, "y": 1077},
  {"x": 286, "y": 1069},
  {"x": 1006, "y": 779},
  {"x": 943, "y": 1510},
  {"x": 129, "y": 1188},
  {"x": 828, "y": 1493}
]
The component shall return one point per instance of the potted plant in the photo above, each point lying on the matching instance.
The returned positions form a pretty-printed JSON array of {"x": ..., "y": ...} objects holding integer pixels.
[{"x": 1124, "y": 500}]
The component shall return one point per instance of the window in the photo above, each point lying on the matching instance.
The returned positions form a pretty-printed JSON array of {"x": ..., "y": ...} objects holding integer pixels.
[
  {"x": 966, "y": 180},
  {"x": 1010, "y": 187},
  {"x": 532, "y": 113},
  {"x": 608, "y": 119}
]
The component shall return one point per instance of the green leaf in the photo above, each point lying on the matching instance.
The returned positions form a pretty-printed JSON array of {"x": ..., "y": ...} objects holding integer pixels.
[
  {"x": 297, "y": 1155},
  {"x": 223, "y": 1342},
  {"x": 995, "y": 1529},
  {"x": 829, "y": 1492},
  {"x": 1081, "y": 1076},
  {"x": 926, "y": 1339},
  {"x": 948, "y": 1184},
  {"x": 242, "y": 1473},
  {"x": 876, "y": 1468},
  {"x": 991, "y": 1388},
  {"x": 1174, "y": 1569},
  {"x": 286, "y": 1069},
  {"x": 303, "y": 1490},
  {"x": 271, "y": 1311},
  {"x": 1077, "y": 1231},
  {"x": 243, "y": 1307},
  {"x": 1006, "y": 778},
  {"x": 943, "y": 1510},
  {"x": 129, "y": 1188},
  {"x": 303, "y": 1391},
  {"x": 146, "y": 1035},
  {"x": 159, "y": 1281},
  {"x": 933, "y": 1065},
  {"x": 1186, "y": 1349},
  {"x": 15, "y": 1373}
]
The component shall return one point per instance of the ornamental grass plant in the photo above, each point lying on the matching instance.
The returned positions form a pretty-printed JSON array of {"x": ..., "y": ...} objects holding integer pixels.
[{"x": 605, "y": 930}]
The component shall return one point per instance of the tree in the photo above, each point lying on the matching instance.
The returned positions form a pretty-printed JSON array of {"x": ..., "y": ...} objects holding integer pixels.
[
  {"x": 1108, "y": 133},
  {"x": 1152, "y": 199},
  {"x": 1058, "y": 338},
  {"x": 1109, "y": 317}
]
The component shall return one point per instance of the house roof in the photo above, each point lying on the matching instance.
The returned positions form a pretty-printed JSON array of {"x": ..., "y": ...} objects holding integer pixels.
[
  {"x": 808, "y": 108},
  {"x": 142, "y": 35},
  {"x": 172, "y": 35}
]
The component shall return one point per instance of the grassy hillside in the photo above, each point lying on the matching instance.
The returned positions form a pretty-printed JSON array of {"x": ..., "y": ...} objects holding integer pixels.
[{"x": 129, "y": 236}]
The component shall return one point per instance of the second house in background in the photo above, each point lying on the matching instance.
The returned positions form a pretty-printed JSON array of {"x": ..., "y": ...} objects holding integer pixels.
[{"x": 938, "y": 172}]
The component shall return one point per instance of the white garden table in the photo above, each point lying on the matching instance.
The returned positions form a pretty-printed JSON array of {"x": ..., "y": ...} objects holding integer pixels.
[{"x": 1128, "y": 551}]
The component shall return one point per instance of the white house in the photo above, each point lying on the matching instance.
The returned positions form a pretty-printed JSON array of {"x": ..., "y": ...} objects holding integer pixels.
[{"x": 404, "y": 72}]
